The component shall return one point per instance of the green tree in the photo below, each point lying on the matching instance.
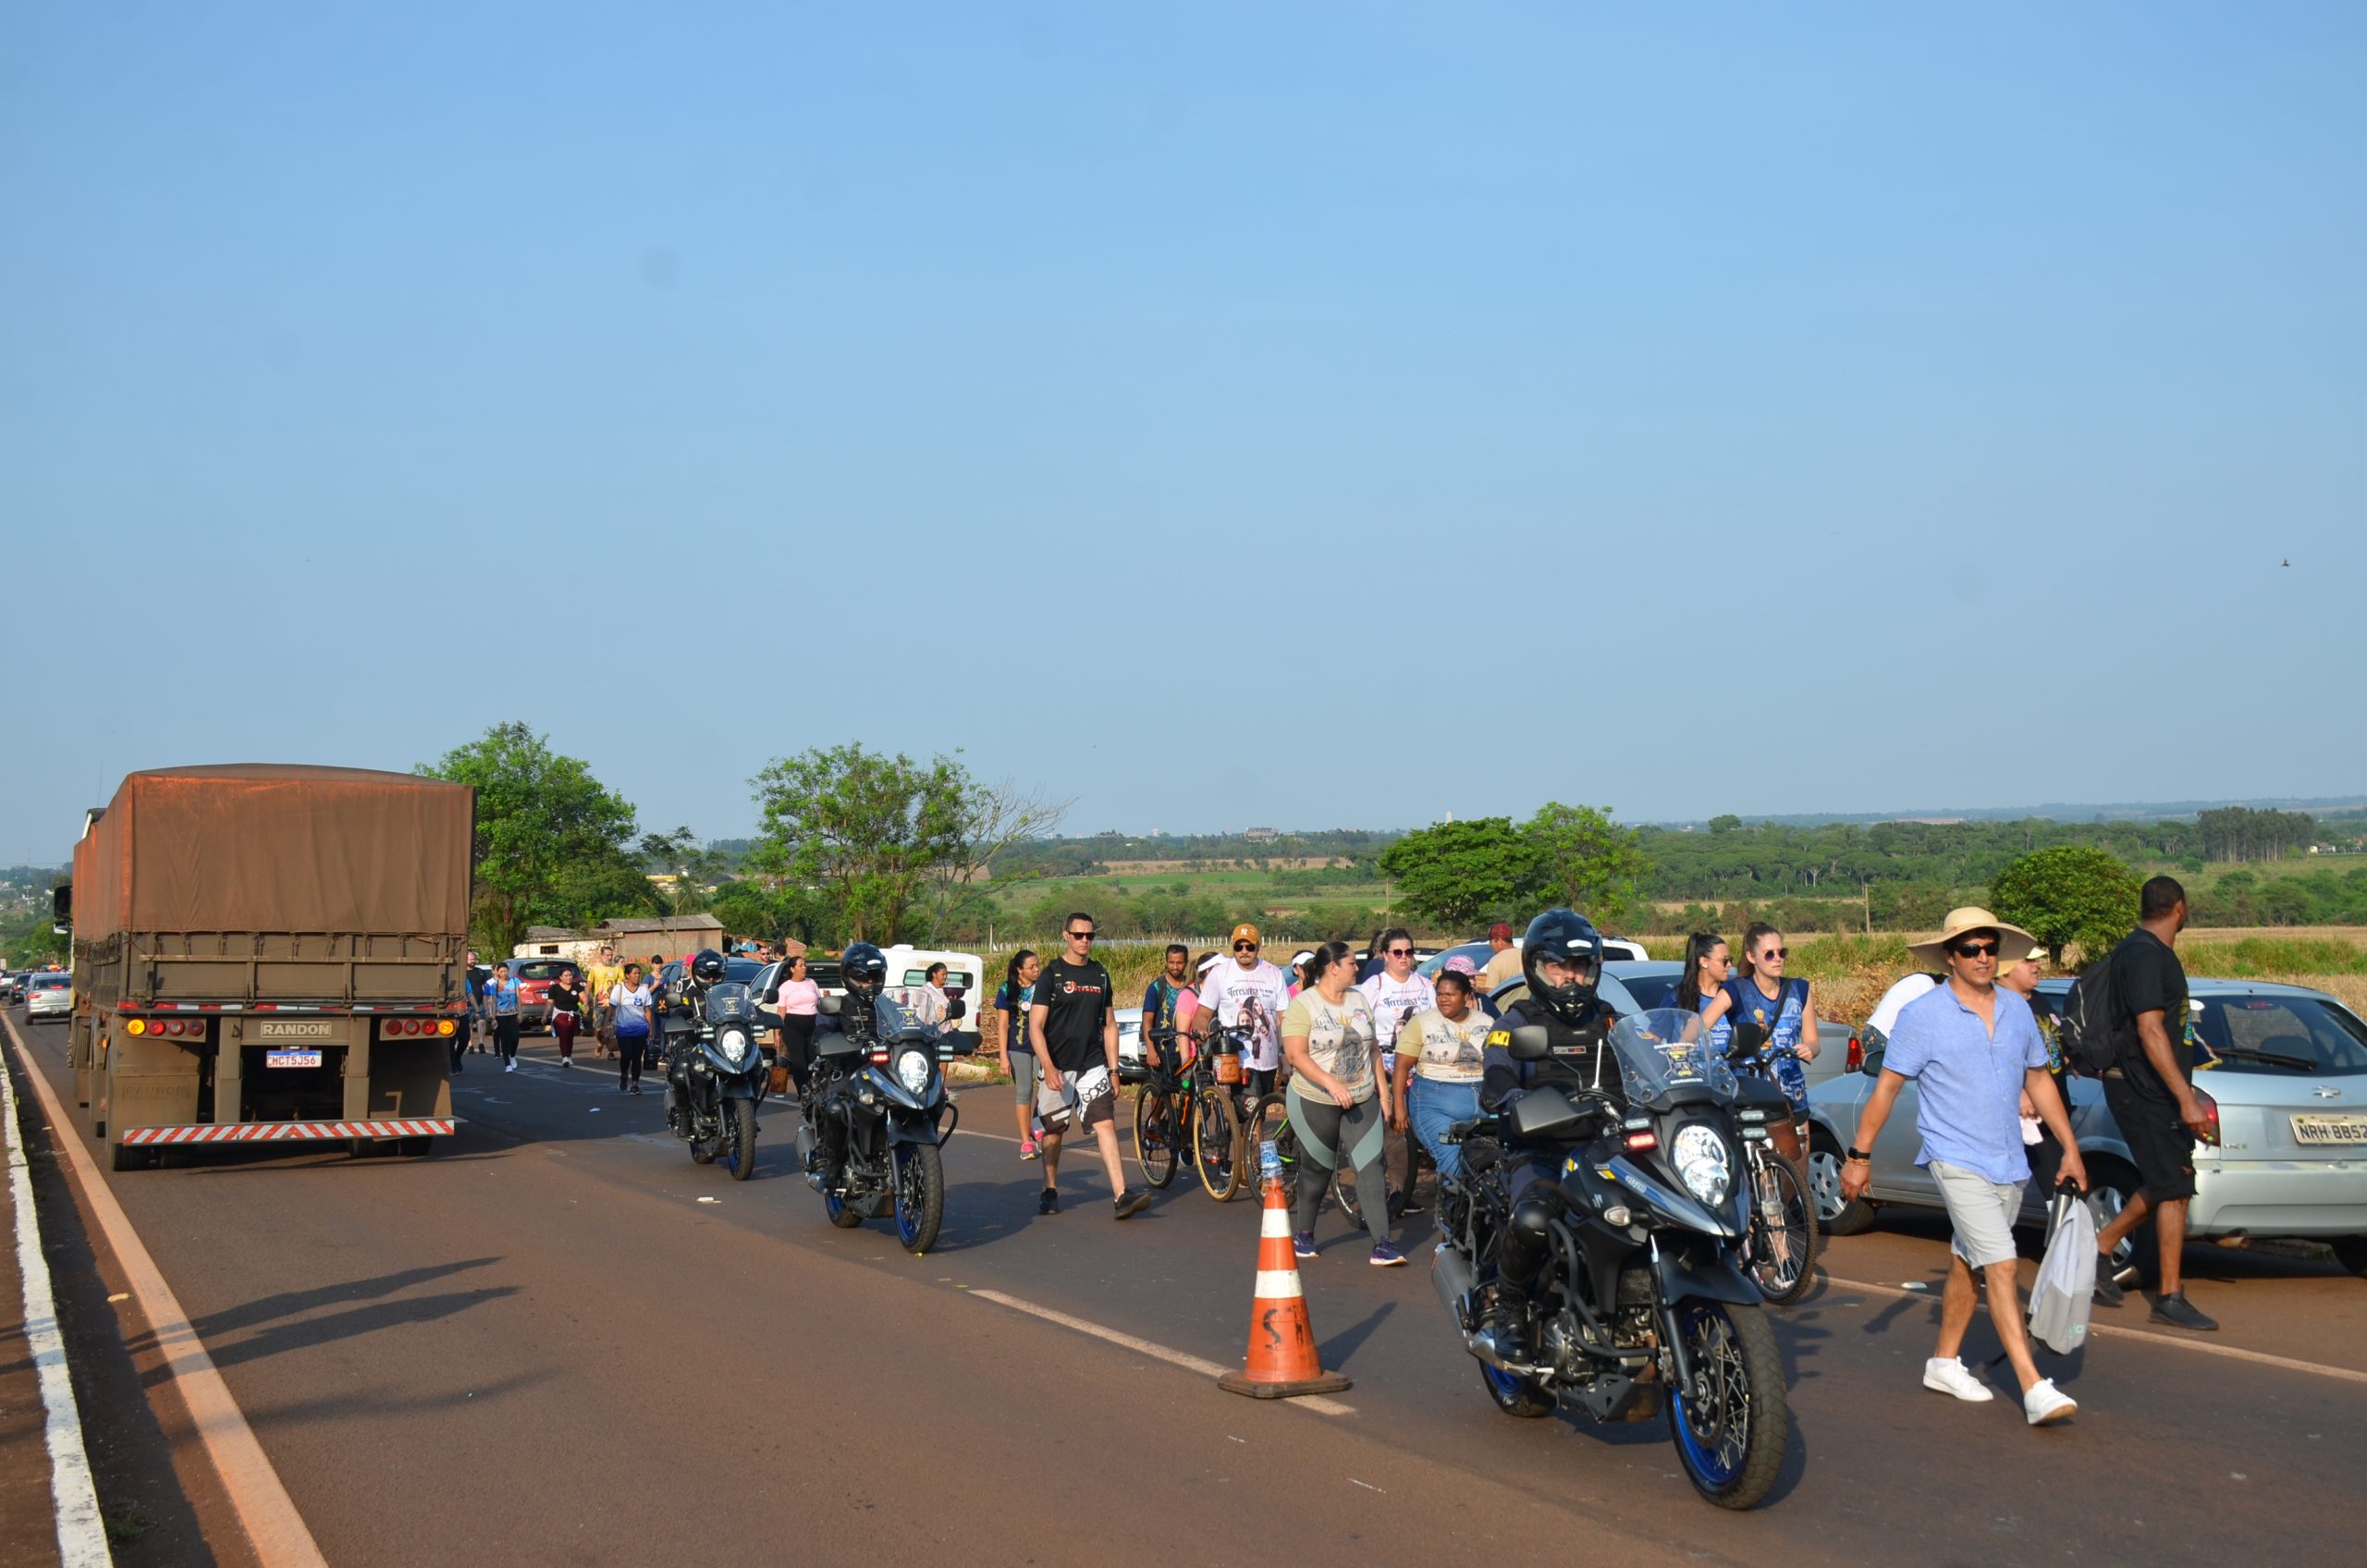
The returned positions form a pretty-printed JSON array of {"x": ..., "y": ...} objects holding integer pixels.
[
  {"x": 1579, "y": 857},
  {"x": 1724, "y": 823},
  {"x": 550, "y": 838},
  {"x": 2071, "y": 895},
  {"x": 1450, "y": 873}
]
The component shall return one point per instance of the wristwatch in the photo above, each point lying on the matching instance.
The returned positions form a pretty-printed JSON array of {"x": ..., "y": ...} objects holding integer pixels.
[{"x": 1860, "y": 1157}]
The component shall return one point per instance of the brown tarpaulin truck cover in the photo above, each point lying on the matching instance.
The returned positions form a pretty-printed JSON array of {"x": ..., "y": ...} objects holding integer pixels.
[{"x": 276, "y": 847}]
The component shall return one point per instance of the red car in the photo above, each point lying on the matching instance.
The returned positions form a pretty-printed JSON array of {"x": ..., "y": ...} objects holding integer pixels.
[{"x": 534, "y": 976}]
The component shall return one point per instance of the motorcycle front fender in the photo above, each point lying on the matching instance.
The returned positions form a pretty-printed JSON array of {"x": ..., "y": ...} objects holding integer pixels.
[
  {"x": 751, "y": 1087},
  {"x": 1700, "y": 1270},
  {"x": 922, "y": 1126}
]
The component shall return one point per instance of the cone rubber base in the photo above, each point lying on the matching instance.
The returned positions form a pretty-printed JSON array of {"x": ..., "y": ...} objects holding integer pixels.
[{"x": 1329, "y": 1383}]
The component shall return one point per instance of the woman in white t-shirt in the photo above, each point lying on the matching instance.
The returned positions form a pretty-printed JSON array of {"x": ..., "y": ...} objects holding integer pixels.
[
  {"x": 1334, "y": 1097},
  {"x": 1441, "y": 1059}
]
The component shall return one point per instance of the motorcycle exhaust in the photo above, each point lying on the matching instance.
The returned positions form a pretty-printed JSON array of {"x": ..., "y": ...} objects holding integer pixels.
[{"x": 1453, "y": 1278}]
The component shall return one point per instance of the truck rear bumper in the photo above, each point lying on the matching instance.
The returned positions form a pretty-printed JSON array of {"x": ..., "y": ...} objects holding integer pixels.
[{"x": 290, "y": 1132}]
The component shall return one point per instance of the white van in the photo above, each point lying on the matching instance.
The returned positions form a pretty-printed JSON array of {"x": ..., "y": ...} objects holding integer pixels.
[{"x": 966, "y": 976}]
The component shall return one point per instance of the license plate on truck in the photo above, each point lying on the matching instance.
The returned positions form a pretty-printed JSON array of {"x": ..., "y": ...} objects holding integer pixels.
[
  {"x": 2330, "y": 1129},
  {"x": 291, "y": 1058}
]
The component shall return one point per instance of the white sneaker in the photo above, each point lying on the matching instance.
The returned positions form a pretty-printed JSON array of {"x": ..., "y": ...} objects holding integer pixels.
[
  {"x": 2045, "y": 1405},
  {"x": 509, "y": 1067},
  {"x": 1948, "y": 1375}
]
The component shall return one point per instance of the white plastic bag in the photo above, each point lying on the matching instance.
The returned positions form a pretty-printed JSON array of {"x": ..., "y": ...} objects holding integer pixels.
[{"x": 2066, "y": 1287}]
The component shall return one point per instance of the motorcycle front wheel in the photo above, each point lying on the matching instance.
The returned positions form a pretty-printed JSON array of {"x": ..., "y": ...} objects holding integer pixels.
[
  {"x": 739, "y": 1141},
  {"x": 920, "y": 1196},
  {"x": 1732, "y": 1423}
]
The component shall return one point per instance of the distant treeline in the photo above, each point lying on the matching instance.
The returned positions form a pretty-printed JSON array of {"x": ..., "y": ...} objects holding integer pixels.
[{"x": 1092, "y": 857}]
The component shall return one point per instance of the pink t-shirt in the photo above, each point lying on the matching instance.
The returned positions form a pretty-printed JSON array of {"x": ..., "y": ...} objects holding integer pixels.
[{"x": 803, "y": 997}]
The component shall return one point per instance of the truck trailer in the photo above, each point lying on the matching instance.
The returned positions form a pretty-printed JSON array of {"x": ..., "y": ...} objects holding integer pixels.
[{"x": 267, "y": 953}]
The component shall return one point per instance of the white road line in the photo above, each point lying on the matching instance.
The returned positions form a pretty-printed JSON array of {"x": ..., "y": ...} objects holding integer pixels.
[
  {"x": 82, "y": 1535},
  {"x": 1316, "y": 1403},
  {"x": 2107, "y": 1330},
  {"x": 279, "y": 1534}
]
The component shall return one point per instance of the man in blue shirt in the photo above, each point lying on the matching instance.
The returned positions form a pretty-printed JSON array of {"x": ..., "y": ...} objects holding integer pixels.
[{"x": 1974, "y": 1050}]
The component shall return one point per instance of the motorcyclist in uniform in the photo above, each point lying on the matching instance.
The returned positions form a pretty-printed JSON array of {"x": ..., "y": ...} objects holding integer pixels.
[
  {"x": 1561, "y": 960},
  {"x": 866, "y": 1015},
  {"x": 706, "y": 968}
]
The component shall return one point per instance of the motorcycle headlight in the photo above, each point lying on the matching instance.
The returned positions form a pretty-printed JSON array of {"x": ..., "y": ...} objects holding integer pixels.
[
  {"x": 913, "y": 1070},
  {"x": 1699, "y": 1156},
  {"x": 732, "y": 1044}
]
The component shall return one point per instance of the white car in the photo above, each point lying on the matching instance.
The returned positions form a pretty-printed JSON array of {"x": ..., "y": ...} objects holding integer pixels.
[{"x": 49, "y": 995}]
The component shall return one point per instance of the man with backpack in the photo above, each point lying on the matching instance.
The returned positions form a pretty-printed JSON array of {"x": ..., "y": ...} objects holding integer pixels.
[{"x": 2148, "y": 1072}]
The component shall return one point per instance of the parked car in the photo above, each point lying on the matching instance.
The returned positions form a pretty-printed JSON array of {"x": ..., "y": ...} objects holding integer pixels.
[
  {"x": 12, "y": 987},
  {"x": 534, "y": 976},
  {"x": 49, "y": 995},
  {"x": 1620, "y": 949},
  {"x": 2285, "y": 1068}
]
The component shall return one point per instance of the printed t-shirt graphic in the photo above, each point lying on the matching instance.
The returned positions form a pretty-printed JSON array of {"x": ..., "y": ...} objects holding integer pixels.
[
  {"x": 1250, "y": 998},
  {"x": 1451, "y": 1053},
  {"x": 1074, "y": 997},
  {"x": 1341, "y": 1039}
]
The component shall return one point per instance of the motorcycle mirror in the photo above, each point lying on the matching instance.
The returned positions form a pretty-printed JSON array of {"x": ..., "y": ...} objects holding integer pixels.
[
  {"x": 1748, "y": 1038},
  {"x": 1529, "y": 1043},
  {"x": 957, "y": 1008},
  {"x": 829, "y": 1006}
]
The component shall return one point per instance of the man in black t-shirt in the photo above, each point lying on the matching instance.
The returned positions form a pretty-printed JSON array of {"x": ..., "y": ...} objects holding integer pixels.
[
  {"x": 1075, "y": 1029},
  {"x": 2149, "y": 1089}
]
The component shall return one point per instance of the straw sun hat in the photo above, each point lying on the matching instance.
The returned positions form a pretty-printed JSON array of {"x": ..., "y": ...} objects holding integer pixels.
[{"x": 2014, "y": 944}]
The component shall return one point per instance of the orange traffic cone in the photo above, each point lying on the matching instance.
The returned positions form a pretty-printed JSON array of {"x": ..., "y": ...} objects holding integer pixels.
[{"x": 1282, "y": 1362}]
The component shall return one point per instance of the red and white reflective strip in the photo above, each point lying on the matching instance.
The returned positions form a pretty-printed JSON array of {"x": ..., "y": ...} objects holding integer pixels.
[
  {"x": 128, "y": 1006},
  {"x": 290, "y": 1132}
]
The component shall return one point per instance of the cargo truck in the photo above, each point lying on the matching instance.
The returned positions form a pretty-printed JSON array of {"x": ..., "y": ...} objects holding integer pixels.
[{"x": 268, "y": 954}]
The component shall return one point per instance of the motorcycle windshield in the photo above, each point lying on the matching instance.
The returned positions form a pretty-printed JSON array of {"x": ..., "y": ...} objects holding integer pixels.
[
  {"x": 729, "y": 1002},
  {"x": 1665, "y": 1049}
]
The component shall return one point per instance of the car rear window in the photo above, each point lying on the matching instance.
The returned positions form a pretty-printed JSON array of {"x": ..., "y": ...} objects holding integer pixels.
[
  {"x": 2271, "y": 1034},
  {"x": 52, "y": 981},
  {"x": 541, "y": 968},
  {"x": 1652, "y": 991}
]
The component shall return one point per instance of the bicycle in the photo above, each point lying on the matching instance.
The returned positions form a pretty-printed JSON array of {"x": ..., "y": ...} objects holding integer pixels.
[
  {"x": 1184, "y": 1110},
  {"x": 1269, "y": 1121},
  {"x": 1783, "y": 1244}
]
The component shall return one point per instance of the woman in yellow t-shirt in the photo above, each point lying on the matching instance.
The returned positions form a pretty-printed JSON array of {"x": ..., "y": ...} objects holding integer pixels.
[{"x": 1329, "y": 1037}]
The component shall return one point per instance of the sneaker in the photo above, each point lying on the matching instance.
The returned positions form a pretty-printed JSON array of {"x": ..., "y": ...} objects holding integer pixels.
[
  {"x": 2108, "y": 1290},
  {"x": 1410, "y": 1206},
  {"x": 2180, "y": 1313},
  {"x": 1134, "y": 1200},
  {"x": 1303, "y": 1242},
  {"x": 1027, "y": 1149},
  {"x": 2045, "y": 1405},
  {"x": 509, "y": 1067},
  {"x": 1948, "y": 1375},
  {"x": 1386, "y": 1256},
  {"x": 1049, "y": 1202}
]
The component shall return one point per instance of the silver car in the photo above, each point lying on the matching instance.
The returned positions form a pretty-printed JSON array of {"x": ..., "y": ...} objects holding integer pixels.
[
  {"x": 2286, "y": 1069},
  {"x": 49, "y": 995}
]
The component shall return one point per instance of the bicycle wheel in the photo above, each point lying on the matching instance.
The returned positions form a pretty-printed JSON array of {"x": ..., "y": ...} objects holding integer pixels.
[
  {"x": 1157, "y": 1143},
  {"x": 1217, "y": 1145},
  {"x": 1782, "y": 1230},
  {"x": 1270, "y": 1123}
]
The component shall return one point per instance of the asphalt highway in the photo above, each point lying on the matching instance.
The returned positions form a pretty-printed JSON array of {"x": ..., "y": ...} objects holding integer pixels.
[{"x": 538, "y": 1346}]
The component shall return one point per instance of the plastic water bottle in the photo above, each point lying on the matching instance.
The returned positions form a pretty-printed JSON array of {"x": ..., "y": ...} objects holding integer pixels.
[{"x": 1269, "y": 1161}]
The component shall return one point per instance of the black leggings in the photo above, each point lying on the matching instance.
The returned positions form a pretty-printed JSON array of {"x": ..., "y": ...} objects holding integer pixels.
[
  {"x": 505, "y": 1035},
  {"x": 797, "y": 1047},
  {"x": 628, "y": 1049}
]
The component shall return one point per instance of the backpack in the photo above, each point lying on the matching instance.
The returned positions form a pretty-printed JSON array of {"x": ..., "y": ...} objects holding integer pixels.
[{"x": 2085, "y": 1026}]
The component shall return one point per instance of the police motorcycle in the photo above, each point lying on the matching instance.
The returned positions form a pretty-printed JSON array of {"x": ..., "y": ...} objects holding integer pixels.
[
  {"x": 877, "y": 1114},
  {"x": 1642, "y": 1304},
  {"x": 716, "y": 1072}
]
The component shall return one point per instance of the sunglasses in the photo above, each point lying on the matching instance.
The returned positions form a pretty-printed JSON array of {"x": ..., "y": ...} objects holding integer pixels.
[
  {"x": 1398, "y": 952},
  {"x": 1776, "y": 953},
  {"x": 1974, "y": 950},
  {"x": 1080, "y": 935},
  {"x": 1245, "y": 947}
]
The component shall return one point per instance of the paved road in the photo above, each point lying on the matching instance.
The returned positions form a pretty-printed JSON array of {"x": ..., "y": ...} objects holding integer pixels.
[{"x": 538, "y": 1343}]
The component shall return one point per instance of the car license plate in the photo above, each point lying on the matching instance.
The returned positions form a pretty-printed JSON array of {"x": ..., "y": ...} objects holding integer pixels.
[
  {"x": 299, "y": 1059},
  {"x": 2330, "y": 1129}
]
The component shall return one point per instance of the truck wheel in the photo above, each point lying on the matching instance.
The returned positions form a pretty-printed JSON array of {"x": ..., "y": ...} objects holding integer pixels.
[
  {"x": 413, "y": 1148},
  {"x": 132, "y": 1156}
]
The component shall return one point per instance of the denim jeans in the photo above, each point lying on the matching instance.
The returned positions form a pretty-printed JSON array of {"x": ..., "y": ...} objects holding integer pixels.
[{"x": 1434, "y": 1108}]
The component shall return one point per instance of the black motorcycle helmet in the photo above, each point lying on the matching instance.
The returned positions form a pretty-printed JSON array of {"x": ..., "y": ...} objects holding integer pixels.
[
  {"x": 1571, "y": 938},
  {"x": 708, "y": 967},
  {"x": 863, "y": 968}
]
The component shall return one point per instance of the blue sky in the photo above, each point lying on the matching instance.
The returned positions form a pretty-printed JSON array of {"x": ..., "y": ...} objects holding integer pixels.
[{"x": 1303, "y": 414}]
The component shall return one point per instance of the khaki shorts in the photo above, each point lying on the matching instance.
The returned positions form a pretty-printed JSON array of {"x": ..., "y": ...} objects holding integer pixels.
[{"x": 1981, "y": 1211}]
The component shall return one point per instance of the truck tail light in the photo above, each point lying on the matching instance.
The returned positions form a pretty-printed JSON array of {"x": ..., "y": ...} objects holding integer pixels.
[
  {"x": 136, "y": 1026},
  {"x": 445, "y": 1026}
]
